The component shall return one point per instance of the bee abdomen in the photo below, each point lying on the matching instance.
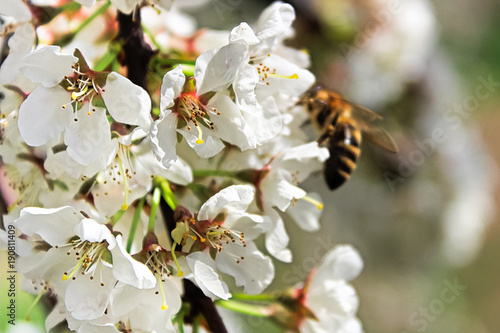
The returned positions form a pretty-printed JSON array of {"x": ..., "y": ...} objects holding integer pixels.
[{"x": 344, "y": 152}]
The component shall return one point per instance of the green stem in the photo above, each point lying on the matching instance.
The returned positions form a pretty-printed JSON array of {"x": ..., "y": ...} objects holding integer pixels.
[
  {"x": 135, "y": 223},
  {"x": 244, "y": 308},
  {"x": 32, "y": 306},
  {"x": 255, "y": 298},
  {"x": 154, "y": 208},
  {"x": 108, "y": 58},
  {"x": 167, "y": 193},
  {"x": 214, "y": 173},
  {"x": 176, "y": 61},
  {"x": 196, "y": 324},
  {"x": 89, "y": 19},
  {"x": 116, "y": 217},
  {"x": 152, "y": 37}
]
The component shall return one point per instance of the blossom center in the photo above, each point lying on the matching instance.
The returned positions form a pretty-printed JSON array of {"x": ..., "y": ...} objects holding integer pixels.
[
  {"x": 193, "y": 111},
  {"x": 82, "y": 86},
  {"x": 265, "y": 72},
  {"x": 87, "y": 255}
]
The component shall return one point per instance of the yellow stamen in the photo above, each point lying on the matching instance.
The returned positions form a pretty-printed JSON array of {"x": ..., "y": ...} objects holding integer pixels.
[
  {"x": 180, "y": 273},
  {"x": 313, "y": 201},
  {"x": 199, "y": 141},
  {"x": 32, "y": 306},
  {"x": 75, "y": 95},
  {"x": 164, "y": 305},
  {"x": 124, "y": 206},
  {"x": 293, "y": 76},
  {"x": 67, "y": 276}
]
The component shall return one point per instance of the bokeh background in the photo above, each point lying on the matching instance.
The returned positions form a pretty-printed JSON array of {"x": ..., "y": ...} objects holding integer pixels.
[{"x": 424, "y": 220}]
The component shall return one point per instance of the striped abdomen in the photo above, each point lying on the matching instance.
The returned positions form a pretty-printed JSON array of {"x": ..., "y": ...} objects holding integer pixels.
[{"x": 344, "y": 147}]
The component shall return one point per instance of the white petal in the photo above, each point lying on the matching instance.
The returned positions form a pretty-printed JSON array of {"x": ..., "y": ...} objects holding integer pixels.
[
  {"x": 86, "y": 299},
  {"x": 255, "y": 272},
  {"x": 54, "y": 225},
  {"x": 262, "y": 115},
  {"x": 342, "y": 262},
  {"x": 209, "y": 148},
  {"x": 94, "y": 232},
  {"x": 17, "y": 9},
  {"x": 278, "y": 191},
  {"x": 128, "y": 270},
  {"x": 86, "y": 3},
  {"x": 235, "y": 197},
  {"x": 126, "y": 102},
  {"x": 274, "y": 23},
  {"x": 164, "y": 138},
  {"x": 89, "y": 137},
  {"x": 171, "y": 87},
  {"x": 126, "y": 6},
  {"x": 305, "y": 214},
  {"x": 57, "y": 315},
  {"x": 20, "y": 44},
  {"x": 47, "y": 65},
  {"x": 203, "y": 268},
  {"x": 291, "y": 80},
  {"x": 243, "y": 34},
  {"x": 57, "y": 165},
  {"x": 216, "y": 69},
  {"x": 304, "y": 159},
  {"x": 230, "y": 126},
  {"x": 179, "y": 173},
  {"x": 39, "y": 125},
  {"x": 277, "y": 239}
]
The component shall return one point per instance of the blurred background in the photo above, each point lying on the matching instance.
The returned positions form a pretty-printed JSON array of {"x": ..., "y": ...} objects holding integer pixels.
[{"x": 426, "y": 221}]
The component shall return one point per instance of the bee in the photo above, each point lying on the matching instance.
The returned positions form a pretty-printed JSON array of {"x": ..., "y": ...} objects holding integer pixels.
[{"x": 342, "y": 124}]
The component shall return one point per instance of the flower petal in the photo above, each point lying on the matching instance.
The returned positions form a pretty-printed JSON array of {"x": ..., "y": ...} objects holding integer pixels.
[
  {"x": 128, "y": 270},
  {"x": 86, "y": 299},
  {"x": 216, "y": 69},
  {"x": 255, "y": 272},
  {"x": 164, "y": 138},
  {"x": 305, "y": 214},
  {"x": 39, "y": 125},
  {"x": 94, "y": 232},
  {"x": 243, "y": 34},
  {"x": 342, "y": 262},
  {"x": 203, "y": 268},
  {"x": 126, "y": 6},
  {"x": 171, "y": 87},
  {"x": 210, "y": 147},
  {"x": 235, "y": 197},
  {"x": 277, "y": 238},
  {"x": 47, "y": 65},
  {"x": 54, "y": 225},
  {"x": 229, "y": 125},
  {"x": 88, "y": 138},
  {"x": 126, "y": 102}
]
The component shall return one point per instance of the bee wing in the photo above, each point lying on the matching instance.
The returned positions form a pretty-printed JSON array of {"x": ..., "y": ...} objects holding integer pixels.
[
  {"x": 361, "y": 113},
  {"x": 363, "y": 116},
  {"x": 380, "y": 137}
]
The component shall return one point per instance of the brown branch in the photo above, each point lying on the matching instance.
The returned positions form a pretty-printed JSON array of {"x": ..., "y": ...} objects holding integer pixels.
[
  {"x": 204, "y": 305},
  {"x": 192, "y": 294},
  {"x": 137, "y": 52}
]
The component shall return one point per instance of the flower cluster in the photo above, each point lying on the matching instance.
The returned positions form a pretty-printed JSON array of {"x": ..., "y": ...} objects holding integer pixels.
[{"x": 124, "y": 191}]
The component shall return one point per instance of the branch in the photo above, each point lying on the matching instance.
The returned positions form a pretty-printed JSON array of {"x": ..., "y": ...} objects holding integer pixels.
[
  {"x": 137, "y": 52},
  {"x": 192, "y": 294},
  {"x": 204, "y": 305}
]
